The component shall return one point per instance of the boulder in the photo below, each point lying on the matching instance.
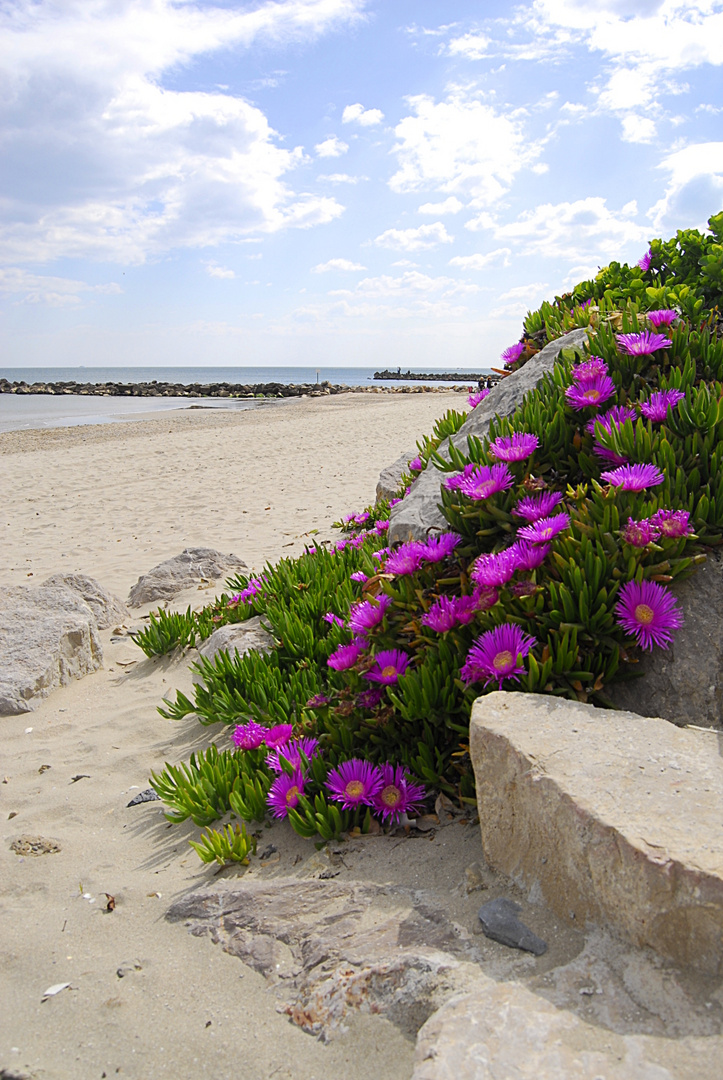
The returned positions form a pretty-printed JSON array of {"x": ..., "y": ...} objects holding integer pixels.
[
  {"x": 194, "y": 566},
  {"x": 48, "y": 636},
  {"x": 610, "y": 817},
  {"x": 236, "y": 637},
  {"x": 684, "y": 683},
  {"x": 418, "y": 513},
  {"x": 391, "y": 477},
  {"x": 502, "y": 1030},
  {"x": 108, "y": 610}
]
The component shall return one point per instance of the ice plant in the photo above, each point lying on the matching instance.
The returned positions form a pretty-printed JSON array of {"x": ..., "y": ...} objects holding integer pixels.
[
  {"x": 640, "y": 533},
  {"x": 278, "y": 736},
  {"x": 495, "y": 569},
  {"x": 292, "y": 752},
  {"x": 248, "y": 736},
  {"x": 475, "y": 399},
  {"x": 646, "y": 260},
  {"x": 380, "y": 527},
  {"x": 368, "y": 614},
  {"x": 284, "y": 794},
  {"x": 497, "y": 655},
  {"x": 452, "y": 483},
  {"x": 398, "y": 793},
  {"x": 318, "y": 701},
  {"x": 406, "y": 559},
  {"x": 673, "y": 523},
  {"x": 657, "y": 405},
  {"x": 545, "y": 529},
  {"x": 648, "y": 611},
  {"x": 592, "y": 392},
  {"x": 513, "y": 353},
  {"x": 483, "y": 597},
  {"x": 332, "y": 619},
  {"x": 530, "y": 556},
  {"x": 643, "y": 344},
  {"x": 362, "y": 518},
  {"x": 369, "y": 699},
  {"x": 388, "y": 666},
  {"x": 416, "y": 464},
  {"x": 612, "y": 418},
  {"x": 354, "y": 783},
  {"x": 532, "y": 507},
  {"x": 633, "y": 477},
  {"x": 589, "y": 369},
  {"x": 345, "y": 656},
  {"x": 441, "y": 546},
  {"x": 358, "y": 575},
  {"x": 448, "y": 612},
  {"x": 515, "y": 447},
  {"x": 486, "y": 480},
  {"x": 661, "y": 317}
]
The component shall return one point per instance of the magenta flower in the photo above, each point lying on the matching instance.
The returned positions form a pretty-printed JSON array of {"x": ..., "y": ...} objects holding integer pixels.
[
  {"x": 398, "y": 793},
  {"x": 589, "y": 369},
  {"x": 513, "y": 353},
  {"x": 533, "y": 507},
  {"x": 416, "y": 464},
  {"x": 248, "y": 736},
  {"x": 284, "y": 794},
  {"x": 388, "y": 666},
  {"x": 345, "y": 656},
  {"x": 292, "y": 752},
  {"x": 368, "y": 614},
  {"x": 358, "y": 540},
  {"x": 514, "y": 447},
  {"x": 486, "y": 480},
  {"x": 340, "y": 545},
  {"x": 253, "y": 588},
  {"x": 359, "y": 576},
  {"x": 496, "y": 569},
  {"x": 605, "y": 454},
  {"x": 278, "y": 736},
  {"x": 362, "y": 518},
  {"x": 643, "y": 344},
  {"x": 530, "y": 556},
  {"x": 369, "y": 699},
  {"x": 475, "y": 399},
  {"x": 661, "y": 317},
  {"x": 380, "y": 527},
  {"x": 657, "y": 405},
  {"x": 496, "y": 655},
  {"x": 441, "y": 546},
  {"x": 452, "y": 483},
  {"x": 646, "y": 260},
  {"x": 673, "y": 523},
  {"x": 648, "y": 612},
  {"x": 640, "y": 533},
  {"x": 393, "y": 502},
  {"x": 545, "y": 529},
  {"x": 317, "y": 701},
  {"x": 633, "y": 477},
  {"x": 406, "y": 559},
  {"x": 332, "y": 619},
  {"x": 613, "y": 418},
  {"x": 483, "y": 598},
  {"x": 593, "y": 392},
  {"x": 442, "y": 616},
  {"x": 466, "y": 607},
  {"x": 354, "y": 783}
]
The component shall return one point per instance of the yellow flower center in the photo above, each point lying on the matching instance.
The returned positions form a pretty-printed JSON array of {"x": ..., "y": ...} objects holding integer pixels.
[
  {"x": 389, "y": 672},
  {"x": 502, "y": 660},
  {"x": 644, "y": 614},
  {"x": 354, "y": 789},
  {"x": 592, "y": 395},
  {"x": 486, "y": 489},
  {"x": 292, "y": 794},
  {"x": 391, "y": 795}
]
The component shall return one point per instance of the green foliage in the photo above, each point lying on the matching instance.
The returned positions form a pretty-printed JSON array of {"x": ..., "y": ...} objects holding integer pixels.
[
  {"x": 231, "y": 845},
  {"x": 202, "y": 788},
  {"x": 167, "y": 630}
]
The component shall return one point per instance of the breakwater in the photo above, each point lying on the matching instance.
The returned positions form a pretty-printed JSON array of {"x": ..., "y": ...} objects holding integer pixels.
[
  {"x": 212, "y": 390},
  {"x": 484, "y": 378}
]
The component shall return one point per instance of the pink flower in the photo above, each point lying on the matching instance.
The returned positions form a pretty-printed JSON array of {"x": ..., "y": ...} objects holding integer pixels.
[
  {"x": 278, "y": 736},
  {"x": 406, "y": 559},
  {"x": 530, "y": 556},
  {"x": 643, "y": 344},
  {"x": 593, "y": 392},
  {"x": 398, "y": 793},
  {"x": 533, "y": 507},
  {"x": 292, "y": 752},
  {"x": 368, "y": 614},
  {"x": 657, "y": 406},
  {"x": 662, "y": 317},
  {"x": 284, "y": 794},
  {"x": 495, "y": 570},
  {"x": 345, "y": 656},
  {"x": 496, "y": 655},
  {"x": 545, "y": 529},
  {"x": 440, "y": 547},
  {"x": 640, "y": 533},
  {"x": 486, "y": 480},
  {"x": 633, "y": 477},
  {"x": 477, "y": 398},
  {"x": 248, "y": 736},
  {"x": 673, "y": 523},
  {"x": 513, "y": 353},
  {"x": 354, "y": 783},
  {"x": 589, "y": 369},
  {"x": 388, "y": 666},
  {"x": 648, "y": 611},
  {"x": 514, "y": 447},
  {"x": 646, "y": 260}
]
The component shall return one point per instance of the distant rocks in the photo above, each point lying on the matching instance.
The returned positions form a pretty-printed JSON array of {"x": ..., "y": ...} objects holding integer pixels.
[
  {"x": 209, "y": 390},
  {"x": 48, "y": 636},
  {"x": 107, "y": 609},
  {"x": 194, "y": 566}
]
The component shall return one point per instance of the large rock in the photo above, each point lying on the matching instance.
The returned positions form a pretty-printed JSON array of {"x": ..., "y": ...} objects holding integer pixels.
[
  {"x": 685, "y": 683},
  {"x": 48, "y": 636},
  {"x": 610, "y": 817},
  {"x": 502, "y": 1031},
  {"x": 194, "y": 566},
  {"x": 107, "y": 609},
  {"x": 390, "y": 478},
  {"x": 236, "y": 638},
  {"x": 418, "y": 513}
]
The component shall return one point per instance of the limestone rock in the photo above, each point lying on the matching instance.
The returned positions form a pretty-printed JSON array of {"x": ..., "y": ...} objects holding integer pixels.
[
  {"x": 418, "y": 513},
  {"x": 502, "y": 1030},
  {"x": 48, "y": 636},
  {"x": 107, "y": 609},
  {"x": 239, "y": 637},
  {"x": 391, "y": 477},
  {"x": 612, "y": 818},
  {"x": 685, "y": 683},
  {"x": 192, "y": 567}
]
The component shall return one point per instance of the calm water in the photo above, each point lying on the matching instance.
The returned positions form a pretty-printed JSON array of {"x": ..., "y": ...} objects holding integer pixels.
[{"x": 45, "y": 411}]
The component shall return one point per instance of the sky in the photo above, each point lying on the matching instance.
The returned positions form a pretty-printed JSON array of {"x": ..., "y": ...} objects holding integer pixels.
[{"x": 336, "y": 182}]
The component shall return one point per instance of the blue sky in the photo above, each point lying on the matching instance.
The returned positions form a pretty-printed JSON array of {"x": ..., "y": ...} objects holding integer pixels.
[{"x": 346, "y": 182}]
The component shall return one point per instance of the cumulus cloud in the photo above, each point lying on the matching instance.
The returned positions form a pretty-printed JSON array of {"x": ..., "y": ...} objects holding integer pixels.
[
  {"x": 472, "y": 46},
  {"x": 336, "y": 264},
  {"x": 358, "y": 114},
  {"x": 695, "y": 184},
  {"x": 27, "y": 288},
  {"x": 426, "y": 236},
  {"x": 583, "y": 229},
  {"x": 498, "y": 257},
  {"x": 102, "y": 161},
  {"x": 448, "y": 206},
  {"x": 340, "y": 178},
  {"x": 331, "y": 147},
  {"x": 410, "y": 283},
  {"x": 213, "y": 270}
]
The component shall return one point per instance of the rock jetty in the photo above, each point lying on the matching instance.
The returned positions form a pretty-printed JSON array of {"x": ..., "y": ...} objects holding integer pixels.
[
  {"x": 214, "y": 390},
  {"x": 484, "y": 378}
]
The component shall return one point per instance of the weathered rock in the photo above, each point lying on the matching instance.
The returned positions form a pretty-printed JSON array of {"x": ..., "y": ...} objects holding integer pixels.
[
  {"x": 336, "y": 946},
  {"x": 48, "y": 636},
  {"x": 193, "y": 566},
  {"x": 107, "y": 609},
  {"x": 239, "y": 637},
  {"x": 418, "y": 513},
  {"x": 610, "y": 817},
  {"x": 502, "y": 1031},
  {"x": 500, "y": 923},
  {"x": 391, "y": 477},
  {"x": 685, "y": 683}
]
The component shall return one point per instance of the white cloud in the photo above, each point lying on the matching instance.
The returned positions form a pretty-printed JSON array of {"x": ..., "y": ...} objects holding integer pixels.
[
  {"x": 460, "y": 145},
  {"x": 498, "y": 257},
  {"x": 638, "y": 129},
  {"x": 340, "y": 178},
  {"x": 426, "y": 236},
  {"x": 331, "y": 147},
  {"x": 336, "y": 264},
  {"x": 471, "y": 46},
  {"x": 213, "y": 270},
  {"x": 122, "y": 168},
  {"x": 584, "y": 229},
  {"x": 410, "y": 283},
  {"x": 695, "y": 185},
  {"x": 448, "y": 206},
  {"x": 524, "y": 292},
  {"x": 357, "y": 113},
  {"x": 29, "y": 288}
]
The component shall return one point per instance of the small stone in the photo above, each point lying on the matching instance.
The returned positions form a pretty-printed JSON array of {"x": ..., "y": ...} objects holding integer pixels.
[
  {"x": 149, "y": 795},
  {"x": 500, "y": 923},
  {"x": 34, "y": 845}
]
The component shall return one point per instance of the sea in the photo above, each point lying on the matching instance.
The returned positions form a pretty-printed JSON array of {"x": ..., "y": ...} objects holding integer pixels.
[{"x": 47, "y": 411}]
